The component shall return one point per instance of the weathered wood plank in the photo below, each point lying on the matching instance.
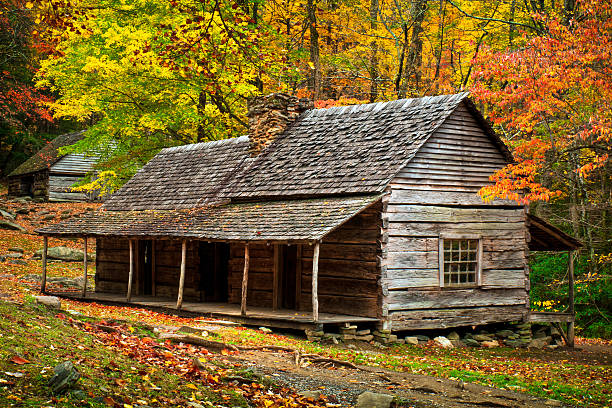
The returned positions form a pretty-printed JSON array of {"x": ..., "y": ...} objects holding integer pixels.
[
  {"x": 398, "y": 244},
  {"x": 411, "y": 278},
  {"x": 426, "y": 229},
  {"x": 503, "y": 278},
  {"x": 443, "y": 318},
  {"x": 403, "y": 213},
  {"x": 399, "y": 196},
  {"x": 450, "y": 298},
  {"x": 412, "y": 259}
]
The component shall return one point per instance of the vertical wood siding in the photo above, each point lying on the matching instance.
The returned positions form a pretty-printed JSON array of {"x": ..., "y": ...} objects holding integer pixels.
[{"x": 437, "y": 194}]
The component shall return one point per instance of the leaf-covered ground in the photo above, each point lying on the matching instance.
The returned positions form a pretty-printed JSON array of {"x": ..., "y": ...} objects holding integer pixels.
[{"x": 129, "y": 365}]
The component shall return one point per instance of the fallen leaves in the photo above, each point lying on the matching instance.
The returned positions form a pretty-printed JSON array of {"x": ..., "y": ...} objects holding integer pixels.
[{"x": 19, "y": 360}]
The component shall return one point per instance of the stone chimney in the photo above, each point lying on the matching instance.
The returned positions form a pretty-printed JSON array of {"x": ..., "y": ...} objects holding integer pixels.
[{"x": 270, "y": 115}]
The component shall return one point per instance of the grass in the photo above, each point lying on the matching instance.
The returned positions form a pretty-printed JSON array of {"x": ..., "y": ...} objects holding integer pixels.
[{"x": 39, "y": 336}]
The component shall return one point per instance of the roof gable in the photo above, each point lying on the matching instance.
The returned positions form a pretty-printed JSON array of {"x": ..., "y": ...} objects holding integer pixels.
[{"x": 48, "y": 155}]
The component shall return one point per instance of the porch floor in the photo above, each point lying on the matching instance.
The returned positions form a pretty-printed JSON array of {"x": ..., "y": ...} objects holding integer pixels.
[{"x": 281, "y": 318}]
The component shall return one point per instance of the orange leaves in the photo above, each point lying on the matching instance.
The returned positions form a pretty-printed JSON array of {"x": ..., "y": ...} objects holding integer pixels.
[{"x": 19, "y": 360}]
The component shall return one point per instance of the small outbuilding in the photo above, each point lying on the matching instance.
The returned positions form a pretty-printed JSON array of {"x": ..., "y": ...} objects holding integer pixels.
[
  {"x": 365, "y": 214},
  {"x": 48, "y": 175}
]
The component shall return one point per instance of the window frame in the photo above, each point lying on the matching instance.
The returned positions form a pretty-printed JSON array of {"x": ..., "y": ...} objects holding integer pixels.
[{"x": 478, "y": 282}]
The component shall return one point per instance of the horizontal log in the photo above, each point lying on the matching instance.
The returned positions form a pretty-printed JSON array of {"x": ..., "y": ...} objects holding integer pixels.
[
  {"x": 354, "y": 306},
  {"x": 412, "y": 259},
  {"x": 362, "y": 252},
  {"x": 398, "y": 244},
  {"x": 401, "y": 196},
  {"x": 343, "y": 287},
  {"x": 411, "y": 278},
  {"x": 451, "y": 298},
  {"x": 503, "y": 278},
  {"x": 445, "y": 318},
  {"x": 405, "y": 213},
  {"x": 488, "y": 229},
  {"x": 343, "y": 268}
]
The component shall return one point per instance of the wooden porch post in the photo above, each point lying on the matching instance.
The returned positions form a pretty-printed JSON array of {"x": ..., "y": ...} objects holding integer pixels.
[
  {"x": 570, "y": 292},
  {"x": 315, "y": 283},
  {"x": 179, "y": 301},
  {"x": 43, "y": 282},
  {"x": 245, "y": 280},
  {"x": 84, "y": 266},
  {"x": 131, "y": 275}
]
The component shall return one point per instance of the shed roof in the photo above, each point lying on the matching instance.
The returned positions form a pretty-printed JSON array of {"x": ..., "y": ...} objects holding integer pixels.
[
  {"x": 546, "y": 237},
  {"x": 48, "y": 155},
  {"x": 292, "y": 220}
]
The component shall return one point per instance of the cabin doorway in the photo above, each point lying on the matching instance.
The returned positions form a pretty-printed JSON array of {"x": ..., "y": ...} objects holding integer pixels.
[
  {"x": 287, "y": 276},
  {"x": 27, "y": 186},
  {"x": 146, "y": 266},
  {"x": 214, "y": 260}
]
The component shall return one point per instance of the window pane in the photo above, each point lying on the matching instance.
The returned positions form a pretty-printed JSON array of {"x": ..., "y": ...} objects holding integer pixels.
[{"x": 460, "y": 261}]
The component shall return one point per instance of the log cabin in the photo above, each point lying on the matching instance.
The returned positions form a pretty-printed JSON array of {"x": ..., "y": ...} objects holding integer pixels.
[
  {"x": 365, "y": 214},
  {"x": 49, "y": 175}
]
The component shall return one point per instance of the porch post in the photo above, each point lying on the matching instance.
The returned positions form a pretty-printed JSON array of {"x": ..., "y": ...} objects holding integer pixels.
[
  {"x": 179, "y": 301},
  {"x": 43, "y": 282},
  {"x": 84, "y": 266},
  {"x": 131, "y": 275},
  {"x": 315, "y": 283},
  {"x": 245, "y": 280},
  {"x": 570, "y": 292}
]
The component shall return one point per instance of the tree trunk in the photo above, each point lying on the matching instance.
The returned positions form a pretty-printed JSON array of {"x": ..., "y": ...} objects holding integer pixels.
[
  {"x": 315, "y": 80},
  {"x": 374, "y": 49},
  {"x": 412, "y": 74},
  {"x": 399, "y": 89}
]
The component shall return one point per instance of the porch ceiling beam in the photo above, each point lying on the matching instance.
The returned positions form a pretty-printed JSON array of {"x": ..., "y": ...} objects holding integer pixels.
[
  {"x": 179, "y": 301},
  {"x": 84, "y": 266},
  {"x": 245, "y": 281},
  {"x": 43, "y": 284},
  {"x": 315, "y": 283},
  {"x": 131, "y": 275}
]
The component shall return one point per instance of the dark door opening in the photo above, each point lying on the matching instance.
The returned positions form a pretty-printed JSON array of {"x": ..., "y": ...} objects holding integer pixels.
[
  {"x": 146, "y": 262},
  {"x": 288, "y": 276},
  {"x": 214, "y": 259},
  {"x": 27, "y": 186}
]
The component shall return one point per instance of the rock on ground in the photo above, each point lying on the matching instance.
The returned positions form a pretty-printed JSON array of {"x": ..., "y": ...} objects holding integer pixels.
[
  {"x": 50, "y": 301},
  {"x": 411, "y": 340},
  {"x": 64, "y": 378},
  {"x": 444, "y": 342},
  {"x": 64, "y": 254},
  {"x": 6, "y": 224},
  {"x": 374, "y": 400}
]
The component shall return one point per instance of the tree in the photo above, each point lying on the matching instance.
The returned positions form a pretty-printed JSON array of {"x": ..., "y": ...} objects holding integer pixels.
[
  {"x": 152, "y": 74},
  {"x": 22, "y": 109}
]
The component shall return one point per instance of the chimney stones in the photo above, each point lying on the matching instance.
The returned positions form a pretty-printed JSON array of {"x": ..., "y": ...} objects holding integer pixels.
[{"x": 270, "y": 115}]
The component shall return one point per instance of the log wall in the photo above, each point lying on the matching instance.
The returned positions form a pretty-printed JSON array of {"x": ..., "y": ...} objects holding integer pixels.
[
  {"x": 436, "y": 194},
  {"x": 112, "y": 268}
]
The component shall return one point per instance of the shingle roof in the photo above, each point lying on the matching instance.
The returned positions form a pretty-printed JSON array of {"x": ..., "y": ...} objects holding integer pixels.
[
  {"x": 272, "y": 220},
  {"x": 336, "y": 151},
  {"x": 344, "y": 150},
  {"x": 48, "y": 155},
  {"x": 182, "y": 177}
]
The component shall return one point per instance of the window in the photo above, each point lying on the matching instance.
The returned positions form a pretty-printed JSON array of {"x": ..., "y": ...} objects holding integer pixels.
[{"x": 460, "y": 261}]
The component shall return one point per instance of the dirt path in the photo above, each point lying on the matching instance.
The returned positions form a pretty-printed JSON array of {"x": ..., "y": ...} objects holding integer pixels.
[{"x": 343, "y": 385}]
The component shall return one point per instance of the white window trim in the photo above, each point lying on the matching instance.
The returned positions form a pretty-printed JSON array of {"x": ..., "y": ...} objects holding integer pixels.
[{"x": 441, "y": 239}]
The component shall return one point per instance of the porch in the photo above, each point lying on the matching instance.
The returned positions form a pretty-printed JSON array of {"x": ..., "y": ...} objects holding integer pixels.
[{"x": 255, "y": 316}]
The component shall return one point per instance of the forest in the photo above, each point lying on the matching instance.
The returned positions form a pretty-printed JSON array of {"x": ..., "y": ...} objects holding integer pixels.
[{"x": 141, "y": 75}]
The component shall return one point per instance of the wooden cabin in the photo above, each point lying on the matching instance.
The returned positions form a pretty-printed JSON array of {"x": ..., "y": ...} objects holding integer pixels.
[
  {"x": 48, "y": 175},
  {"x": 355, "y": 214}
]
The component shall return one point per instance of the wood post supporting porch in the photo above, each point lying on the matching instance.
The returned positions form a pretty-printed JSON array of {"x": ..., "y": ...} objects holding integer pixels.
[
  {"x": 179, "y": 301},
  {"x": 84, "y": 266},
  {"x": 131, "y": 274},
  {"x": 245, "y": 281},
  {"x": 315, "y": 283}
]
